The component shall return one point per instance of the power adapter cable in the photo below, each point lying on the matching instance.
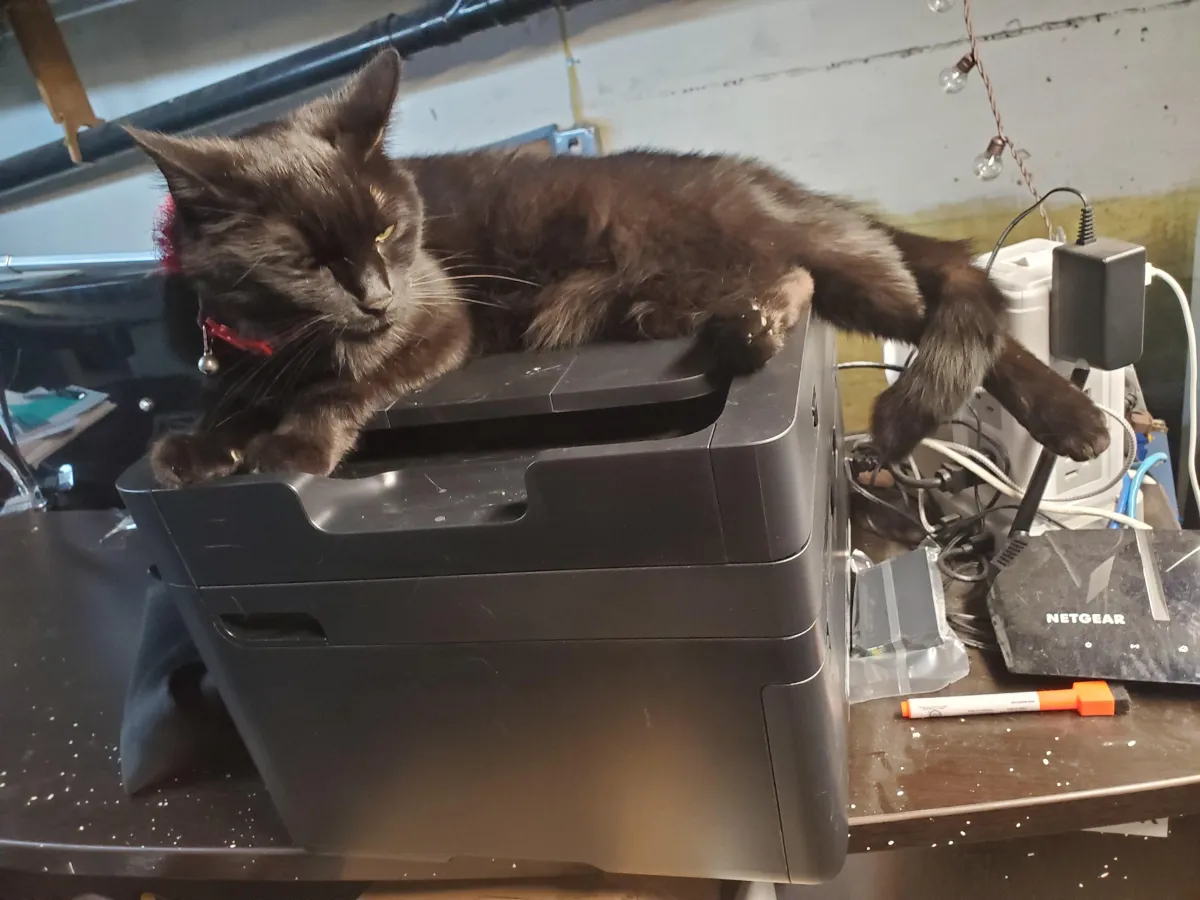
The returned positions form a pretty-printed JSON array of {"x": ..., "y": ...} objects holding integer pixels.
[
  {"x": 1188, "y": 462},
  {"x": 1087, "y": 224},
  {"x": 956, "y": 479}
]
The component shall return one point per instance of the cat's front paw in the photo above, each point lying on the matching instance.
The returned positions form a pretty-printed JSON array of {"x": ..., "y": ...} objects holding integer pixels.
[
  {"x": 745, "y": 342},
  {"x": 1067, "y": 423},
  {"x": 288, "y": 452},
  {"x": 180, "y": 459},
  {"x": 747, "y": 337}
]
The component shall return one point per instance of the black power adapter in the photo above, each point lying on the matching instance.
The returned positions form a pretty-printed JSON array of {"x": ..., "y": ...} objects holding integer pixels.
[{"x": 1098, "y": 303}]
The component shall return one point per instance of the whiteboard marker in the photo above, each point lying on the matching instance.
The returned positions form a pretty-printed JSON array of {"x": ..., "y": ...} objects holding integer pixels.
[{"x": 1088, "y": 698}]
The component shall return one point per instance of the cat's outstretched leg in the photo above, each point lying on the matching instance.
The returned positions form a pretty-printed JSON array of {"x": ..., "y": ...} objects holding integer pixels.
[
  {"x": 1048, "y": 406},
  {"x": 1058, "y": 415},
  {"x": 746, "y": 327},
  {"x": 571, "y": 311},
  {"x": 959, "y": 330}
]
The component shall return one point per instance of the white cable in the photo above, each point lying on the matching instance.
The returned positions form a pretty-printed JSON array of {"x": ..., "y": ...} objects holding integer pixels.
[
  {"x": 1130, "y": 439},
  {"x": 954, "y": 452},
  {"x": 1186, "y": 309},
  {"x": 984, "y": 460},
  {"x": 925, "y": 523},
  {"x": 1061, "y": 508}
]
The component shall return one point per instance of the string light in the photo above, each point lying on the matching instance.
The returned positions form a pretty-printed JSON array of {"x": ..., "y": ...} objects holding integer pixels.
[
  {"x": 954, "y": 78},
  {"x": 990, "y": 163}
]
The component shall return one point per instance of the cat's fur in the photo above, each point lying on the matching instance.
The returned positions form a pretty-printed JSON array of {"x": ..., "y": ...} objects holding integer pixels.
[{"x": 276, "y": 235}]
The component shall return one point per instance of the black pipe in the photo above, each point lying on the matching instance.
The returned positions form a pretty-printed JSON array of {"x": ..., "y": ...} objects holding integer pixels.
[{"x": 409, "y": 34}]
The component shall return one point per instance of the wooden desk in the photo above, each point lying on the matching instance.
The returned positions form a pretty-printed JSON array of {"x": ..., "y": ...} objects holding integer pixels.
[
  {"x": 70, "y": 622},
  {"x": 935, "y": 781}
]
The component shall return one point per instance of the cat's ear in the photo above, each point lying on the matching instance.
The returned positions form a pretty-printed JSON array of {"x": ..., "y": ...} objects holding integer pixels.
[
  {"x": 356, "y": 118},
  {"x": 191, "y": 166}
]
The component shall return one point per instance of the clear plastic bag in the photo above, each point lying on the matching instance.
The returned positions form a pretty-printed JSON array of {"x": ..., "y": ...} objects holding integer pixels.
[{"x": 900, "y": 642}]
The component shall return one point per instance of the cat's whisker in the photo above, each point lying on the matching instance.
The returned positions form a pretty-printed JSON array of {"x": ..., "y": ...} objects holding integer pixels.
[
  {"x": 459, "y": 267},
  {"x": 307, "y": 327},
  {"x": 432, "y": 301},
  {"x": 303, "y": 326},
  {"x": 484, "y": 275},
  {"x": 475, "y": 263},
  {"x": 232, "y": 393},
  {"x": 262, "y": 365},
  {"x": 296, "y": 361},
  {"x": 253, "y": 266},
  {"x": 279, "y": 360},
  {"x": 305, "y": 357},
  {"x": 444, "y": 256}
]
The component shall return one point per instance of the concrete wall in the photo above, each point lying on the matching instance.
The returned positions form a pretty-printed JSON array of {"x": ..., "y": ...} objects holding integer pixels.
[{"x": 840, "y": 93}]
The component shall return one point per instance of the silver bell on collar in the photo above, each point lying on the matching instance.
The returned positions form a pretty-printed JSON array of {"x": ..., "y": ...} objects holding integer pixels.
[{"x": 208, "y": 365}]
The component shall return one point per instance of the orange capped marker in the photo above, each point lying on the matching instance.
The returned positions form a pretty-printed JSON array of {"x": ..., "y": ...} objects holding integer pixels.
[{"x": 1088, "y": 698}]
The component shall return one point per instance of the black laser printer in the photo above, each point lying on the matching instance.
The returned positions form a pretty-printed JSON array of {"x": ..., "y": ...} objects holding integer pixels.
[{"x": 584, "y": 607}]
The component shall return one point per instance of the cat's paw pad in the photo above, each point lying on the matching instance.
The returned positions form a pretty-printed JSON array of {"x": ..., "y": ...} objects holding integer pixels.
[
  {"x": 899, "y": 422},
  {"x": 1071, "y": 425},
  {"x": 288, "y": 453},
  {"x": 180, "y": 459},
  {"x": 773, "y": 319},
  {"x": 746, "y": 341}
]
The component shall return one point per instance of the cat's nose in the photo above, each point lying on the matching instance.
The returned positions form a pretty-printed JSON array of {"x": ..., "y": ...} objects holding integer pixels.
[
  {"x": 376, "y": 294},
  {"x": 375, "y": 306}
]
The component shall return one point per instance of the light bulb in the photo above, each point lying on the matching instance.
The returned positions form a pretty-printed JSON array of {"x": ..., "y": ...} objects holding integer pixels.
[
  {"x": 989, "y": 164},
  {"x": 988, "y": 168},
  {"x": 954, "y": 78},
  {"x": 941, "y": 5}
]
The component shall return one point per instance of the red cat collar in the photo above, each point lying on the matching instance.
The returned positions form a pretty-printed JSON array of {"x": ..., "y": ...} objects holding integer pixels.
[
  {"x": 214, "y": 329},
  {"x": 211, "y": 329}
]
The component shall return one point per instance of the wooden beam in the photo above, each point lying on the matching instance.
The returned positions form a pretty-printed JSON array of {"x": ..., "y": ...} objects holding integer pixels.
[{"x": 50, "y": 62}]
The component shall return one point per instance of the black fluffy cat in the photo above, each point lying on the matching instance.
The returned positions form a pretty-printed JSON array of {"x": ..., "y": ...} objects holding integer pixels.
[{"x": 331, "y": 279}]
